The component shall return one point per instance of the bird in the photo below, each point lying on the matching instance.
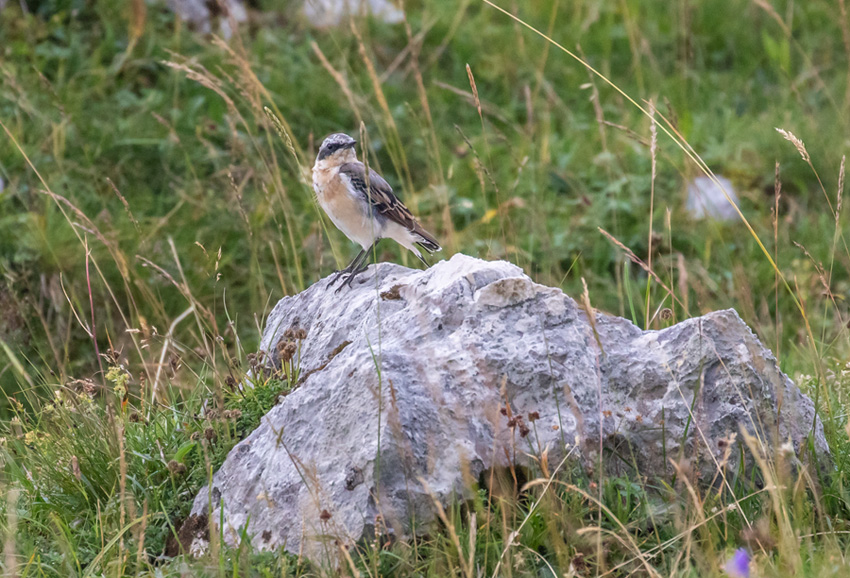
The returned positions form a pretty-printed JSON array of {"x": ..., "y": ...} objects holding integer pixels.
[{"x": 363, "y": 206}]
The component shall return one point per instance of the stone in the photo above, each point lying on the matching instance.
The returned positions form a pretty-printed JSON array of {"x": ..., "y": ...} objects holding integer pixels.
[
  {"x": 706, "y": 199},
  {"x": 416, "y": 385},
  {"x": 329, "y": 13},
  {"x": 202, "y": 14}
]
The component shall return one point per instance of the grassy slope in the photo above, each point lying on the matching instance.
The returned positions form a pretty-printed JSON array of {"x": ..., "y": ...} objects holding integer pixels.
[{"x": 218, "y": 216}]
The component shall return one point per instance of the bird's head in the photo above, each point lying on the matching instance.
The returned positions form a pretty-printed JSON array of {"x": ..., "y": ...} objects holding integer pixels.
[{"x": 337, "y": 148}]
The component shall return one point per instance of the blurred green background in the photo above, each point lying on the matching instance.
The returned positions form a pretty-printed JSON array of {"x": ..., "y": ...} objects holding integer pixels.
[
  {"x": 155, "y": 197},
  {"x": 94, "y": 108}
]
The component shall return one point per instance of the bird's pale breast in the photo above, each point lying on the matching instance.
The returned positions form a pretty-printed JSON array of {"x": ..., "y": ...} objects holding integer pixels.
[{"x": 345, "y": 208}]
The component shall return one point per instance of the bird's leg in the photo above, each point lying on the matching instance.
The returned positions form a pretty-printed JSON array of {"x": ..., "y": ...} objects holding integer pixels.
[
  {"x": 351, "y": 266},
  {"x": 359, "y": 269},
  {"x": 421, "y": 258}
]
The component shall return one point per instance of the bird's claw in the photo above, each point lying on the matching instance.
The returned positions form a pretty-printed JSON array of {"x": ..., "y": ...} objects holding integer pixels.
[
  {"x": 335, "y": 277},
  {"x": 346, "y": 281},
  {"x": 349, "y": 277}
]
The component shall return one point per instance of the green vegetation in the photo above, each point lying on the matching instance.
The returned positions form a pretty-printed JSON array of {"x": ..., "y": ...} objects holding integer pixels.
[{"x": 152, "y": 210}]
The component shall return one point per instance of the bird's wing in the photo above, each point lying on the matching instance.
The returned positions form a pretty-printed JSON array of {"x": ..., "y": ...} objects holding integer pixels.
[{"x": 379, "y": 193}]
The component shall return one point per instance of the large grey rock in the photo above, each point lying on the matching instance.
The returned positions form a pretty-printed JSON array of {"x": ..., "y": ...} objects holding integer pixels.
[{"x": 405, "y": 377}]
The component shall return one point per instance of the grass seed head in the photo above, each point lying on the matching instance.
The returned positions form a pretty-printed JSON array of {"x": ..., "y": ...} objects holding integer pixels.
[{"x": 798, "y": 144}]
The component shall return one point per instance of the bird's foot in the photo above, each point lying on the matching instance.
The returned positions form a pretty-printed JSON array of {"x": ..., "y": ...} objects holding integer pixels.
[
  {"x": 346, "y": 281},
  {"x": 335, "y": 277},
  {"x": 349, "y": 277}
]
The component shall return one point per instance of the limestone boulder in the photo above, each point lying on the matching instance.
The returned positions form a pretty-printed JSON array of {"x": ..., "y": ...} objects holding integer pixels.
[{"x": 415, "y": 385}]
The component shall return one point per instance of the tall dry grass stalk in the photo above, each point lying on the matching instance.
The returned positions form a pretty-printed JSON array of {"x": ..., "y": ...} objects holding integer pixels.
[
  {"x": 653, "y": 148},
  {"x": 9, "y": 548}
]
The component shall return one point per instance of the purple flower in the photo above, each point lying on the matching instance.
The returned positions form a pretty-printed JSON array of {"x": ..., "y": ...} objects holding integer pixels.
[{"x": 738, "y": 565}]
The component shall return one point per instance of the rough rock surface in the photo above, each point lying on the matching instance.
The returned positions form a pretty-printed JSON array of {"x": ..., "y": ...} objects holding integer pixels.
[{"x": 429, "y": 359}]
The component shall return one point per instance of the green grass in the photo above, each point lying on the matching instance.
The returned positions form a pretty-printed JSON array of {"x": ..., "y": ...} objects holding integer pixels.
[{"x": 166, "y": 197}]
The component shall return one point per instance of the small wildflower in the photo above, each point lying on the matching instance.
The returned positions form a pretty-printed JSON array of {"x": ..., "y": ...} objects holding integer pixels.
[
  {"x": 519, "y": 561},
  {"x": 31, "y": 437},
  {"x": 210, "y": 434},
  {"x": 533, "y": 416},
  {"x": 119, "y": 378},
  {"x": 666, "y": 314},
  {"x": 738, "y": 565},
  {"x": 287, "y": 351},
  {"x": 325, "y": 516},
  {"x": 523, "y": 430},
  {"x": 235, "y": 413},
  {"x": 230, "y": 382},
  {"x": 300, "y": 333},
  {"x": 176, "y": 468}
]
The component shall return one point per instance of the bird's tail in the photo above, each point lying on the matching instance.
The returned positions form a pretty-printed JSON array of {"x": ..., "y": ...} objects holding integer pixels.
[{"x": 426, "y": 240}]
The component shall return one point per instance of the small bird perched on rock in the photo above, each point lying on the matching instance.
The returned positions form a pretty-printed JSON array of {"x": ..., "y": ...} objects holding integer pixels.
[{"x": 363, "y": 206}]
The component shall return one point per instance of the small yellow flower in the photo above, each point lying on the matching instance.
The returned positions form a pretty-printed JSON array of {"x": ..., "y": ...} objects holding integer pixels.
[{"x": 119, "y": 377}]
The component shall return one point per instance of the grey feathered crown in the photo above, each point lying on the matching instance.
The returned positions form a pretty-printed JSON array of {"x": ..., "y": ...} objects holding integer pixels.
[{"x": 335, "y": 142}]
